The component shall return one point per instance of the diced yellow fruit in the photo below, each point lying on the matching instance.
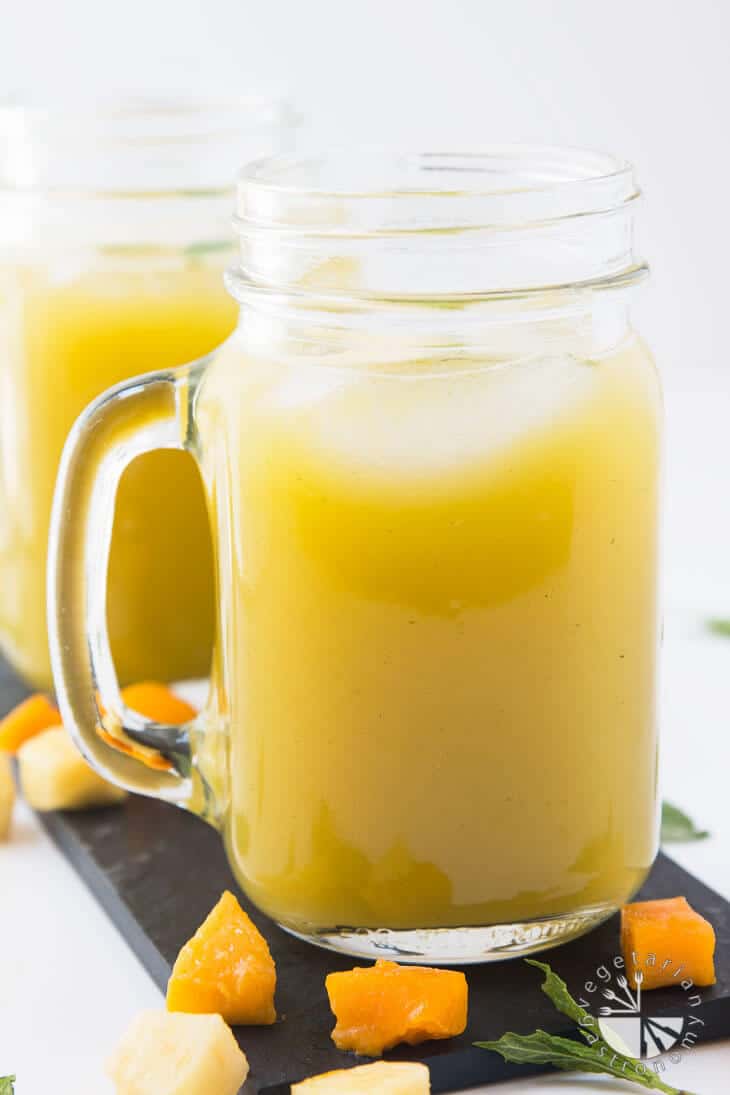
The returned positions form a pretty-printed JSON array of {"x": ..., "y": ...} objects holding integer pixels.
[
  {"x": 7, "y": 797},
  {"x": 380, "y": 1078},
  {"x": 165, "y": 1053},
  {"x": 379, "y": 1006},
  {"x": 226, "y": 968},
  {"x": 25, "y": 721},
  {"x": 158, "y": 703},
  {"x": 662, "y": 937},
  {"x": 54, "y": 775}
]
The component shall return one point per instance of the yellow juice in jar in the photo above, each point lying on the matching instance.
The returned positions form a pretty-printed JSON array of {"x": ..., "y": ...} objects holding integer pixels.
[
  {"x": 438, "y": 634},
  {"x": 63, "y": 341}
]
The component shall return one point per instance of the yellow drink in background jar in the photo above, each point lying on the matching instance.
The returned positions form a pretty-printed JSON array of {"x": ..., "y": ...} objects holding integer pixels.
[
  {"x": 64, "y": 340},
  {"x": 115, "y": 229}
]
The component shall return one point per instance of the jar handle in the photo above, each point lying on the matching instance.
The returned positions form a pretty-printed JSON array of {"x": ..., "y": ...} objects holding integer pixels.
[{"x": 141, "y": 755}]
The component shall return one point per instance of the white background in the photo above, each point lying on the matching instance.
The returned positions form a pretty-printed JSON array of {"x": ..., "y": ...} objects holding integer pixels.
[{"x": 648, "y": 79}]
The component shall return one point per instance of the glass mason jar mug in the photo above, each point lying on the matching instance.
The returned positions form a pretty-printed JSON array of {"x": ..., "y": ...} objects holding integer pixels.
[
  {"x": 114, "y": 234},
  {"x": 431, "y": 457}
]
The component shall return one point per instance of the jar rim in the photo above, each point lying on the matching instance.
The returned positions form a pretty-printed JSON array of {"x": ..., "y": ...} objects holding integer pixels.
[
  {"x": 437, "y": 226},
  {"x": 364, "y": 192},
  {"x": 150, "y": 141}
]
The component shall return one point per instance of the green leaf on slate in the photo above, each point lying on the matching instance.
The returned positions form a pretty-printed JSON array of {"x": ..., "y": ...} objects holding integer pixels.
[
  {"x": 677, "y": 827},
  {"x": 541, "y": 1048},
  {"x": 557, "y": 992}
]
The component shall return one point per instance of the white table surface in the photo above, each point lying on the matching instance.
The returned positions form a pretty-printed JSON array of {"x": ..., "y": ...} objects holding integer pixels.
[{"x": 69, "y": 985}]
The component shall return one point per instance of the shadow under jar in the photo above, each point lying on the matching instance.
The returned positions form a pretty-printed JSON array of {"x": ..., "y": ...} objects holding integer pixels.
[
  {"x": 114, "y": 235},
  {"x": 431, "y": 456}
]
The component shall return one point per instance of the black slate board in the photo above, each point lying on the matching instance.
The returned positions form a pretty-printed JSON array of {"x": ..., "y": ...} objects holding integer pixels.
[{"x": 157, "y": 872}]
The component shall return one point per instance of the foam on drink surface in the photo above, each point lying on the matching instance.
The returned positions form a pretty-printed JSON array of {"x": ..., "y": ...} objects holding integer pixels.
[{"x": 429, "y": 421}]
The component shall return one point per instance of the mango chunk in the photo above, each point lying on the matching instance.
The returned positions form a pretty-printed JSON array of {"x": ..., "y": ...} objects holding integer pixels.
[
  {"x": 29, "y": 718},
  {"x": 382, "y": 1077},
  {"x": 660, "y": 938},
  {"x": 156, "y": 701},
  {"x": 379, "y": 1006},
  {"x": 7, "y": 797},
  {"x": 225, "y": 968},
  {"x": 54, "y": 775},
  {"x": 164, "y": 1054}
]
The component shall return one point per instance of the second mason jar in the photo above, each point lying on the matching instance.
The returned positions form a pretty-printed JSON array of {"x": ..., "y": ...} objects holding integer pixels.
[
  {"x": 114, "y": 233},
  {"x": 431, "y": 455}
]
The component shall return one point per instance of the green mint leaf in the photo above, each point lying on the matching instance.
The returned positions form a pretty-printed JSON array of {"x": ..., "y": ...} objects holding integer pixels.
[
  {"x": 557, "y": 992},
  {"x": 719, "y": 627},
  {"x": 677, "y": 828},
  {"x": 6, "y": 1085},
  {"x": 206, "y": 247},
  {"x": 541, "y": 1048}
]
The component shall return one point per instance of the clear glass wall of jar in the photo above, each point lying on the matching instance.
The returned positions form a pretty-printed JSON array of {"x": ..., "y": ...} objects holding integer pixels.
[
  {"x": 437, "y": 549},
  {"x": 431, "y": 454},
  {"x": 114, "y": 232}
]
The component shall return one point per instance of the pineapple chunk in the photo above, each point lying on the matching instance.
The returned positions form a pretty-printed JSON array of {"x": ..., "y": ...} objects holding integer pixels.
[
  {"x": 171, "y": 1053},
  {"x": 383, "y": 1077},
  {"x": 54, "y": 775},
  {"x": 7, "y": 797}
]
